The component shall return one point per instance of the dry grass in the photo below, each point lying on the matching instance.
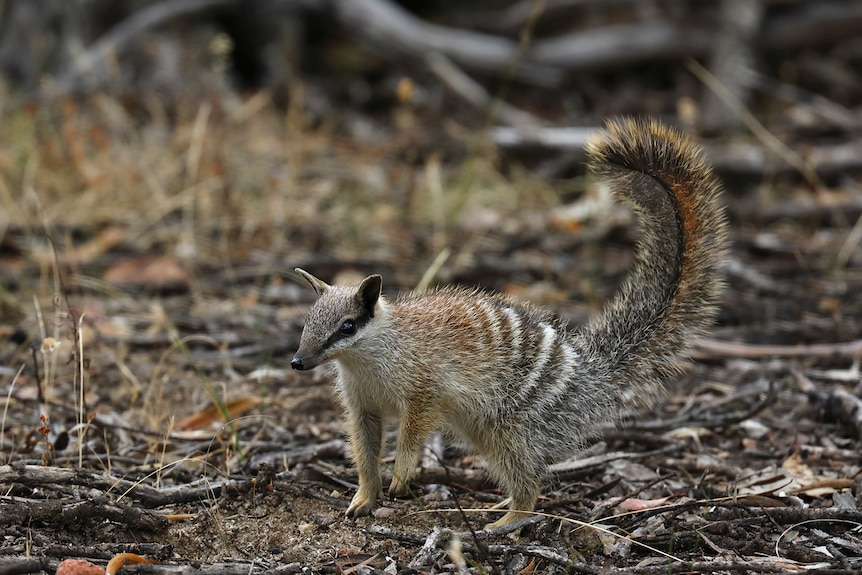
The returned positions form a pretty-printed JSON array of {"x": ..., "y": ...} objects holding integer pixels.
[{"x": 224, "y": 183}]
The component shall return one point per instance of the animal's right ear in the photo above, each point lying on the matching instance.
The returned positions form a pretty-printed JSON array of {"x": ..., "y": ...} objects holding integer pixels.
[
  {"x": 319, "y": 286},
  {"x": 368, "y": 293}
]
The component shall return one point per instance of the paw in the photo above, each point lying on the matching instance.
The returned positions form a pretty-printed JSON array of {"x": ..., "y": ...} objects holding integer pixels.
[
  {"x": 510, "y": 517},
  {"x": 362, "y": 504},
  {"x": 398, "y": 489}
]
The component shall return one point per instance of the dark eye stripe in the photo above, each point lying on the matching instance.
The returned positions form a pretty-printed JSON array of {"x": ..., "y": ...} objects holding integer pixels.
[{"x": 339, "y": 334}]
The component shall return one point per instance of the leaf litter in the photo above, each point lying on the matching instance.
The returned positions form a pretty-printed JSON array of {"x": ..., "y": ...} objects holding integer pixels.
[{"x": 160, "y": 417}]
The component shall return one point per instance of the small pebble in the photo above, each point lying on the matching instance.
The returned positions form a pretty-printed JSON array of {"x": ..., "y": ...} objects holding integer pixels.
[
  {"x": 79, "y": 567},
  {"x": 383, "y": 512}
]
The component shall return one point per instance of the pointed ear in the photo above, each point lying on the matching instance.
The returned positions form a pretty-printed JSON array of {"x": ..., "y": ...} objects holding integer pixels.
[
  {"x": 368, "y": 293},
  {"x": 319, "y": 286}
]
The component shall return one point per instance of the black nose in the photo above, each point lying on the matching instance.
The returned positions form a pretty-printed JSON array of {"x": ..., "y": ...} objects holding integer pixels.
[{"x": 296, "y": 363}]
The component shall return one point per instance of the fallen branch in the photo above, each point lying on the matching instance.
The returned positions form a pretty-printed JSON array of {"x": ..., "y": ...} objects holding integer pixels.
[
  {"x": 393, "y": 29},
  {"x": 614, "y": 46},
  {"x": 150, "y": 497},
  {"x": 713, "y": 349},
  {"x": 19, "y": 511},
  {"x": 473, "y": 93},
  {"x": 566, "y": 470}
]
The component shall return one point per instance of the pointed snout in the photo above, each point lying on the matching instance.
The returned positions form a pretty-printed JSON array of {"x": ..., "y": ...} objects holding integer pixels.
[{"x": 303, "y": 362}]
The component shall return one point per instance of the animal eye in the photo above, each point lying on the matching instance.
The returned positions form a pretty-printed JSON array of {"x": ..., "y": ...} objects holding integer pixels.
[{"x": 348, "y": 327}]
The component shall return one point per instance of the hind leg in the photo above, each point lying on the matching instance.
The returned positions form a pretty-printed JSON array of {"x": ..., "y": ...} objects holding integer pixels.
[
  {"x": 523, "y": 500},
  {"x": 520, "y": 476}
]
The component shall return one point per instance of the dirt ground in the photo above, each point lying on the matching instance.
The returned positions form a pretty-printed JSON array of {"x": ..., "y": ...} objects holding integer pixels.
[{"x": 148, "y": 317}]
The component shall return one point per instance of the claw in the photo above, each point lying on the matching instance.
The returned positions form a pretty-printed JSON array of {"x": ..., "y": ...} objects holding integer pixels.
[
  {"x": 398, "y": 489},
  {"x": 362, "y": 504}
]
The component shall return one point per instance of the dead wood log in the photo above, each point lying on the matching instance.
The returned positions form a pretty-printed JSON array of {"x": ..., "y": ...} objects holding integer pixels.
[
  {"x": 37, "y": 475},
  {"x": 106, "y": 550},
  {"x": 614, "y": 46},
  {"x": 579, "y": 467},
  {"x": 27, "y": 565},
  {"x": 547, "y": 137},
  {"x": 46, "y": 477},
  {"x": 473, "y": 92},
  {"x": 392, "y": 29},
  {"x": 57, "y": 513}
]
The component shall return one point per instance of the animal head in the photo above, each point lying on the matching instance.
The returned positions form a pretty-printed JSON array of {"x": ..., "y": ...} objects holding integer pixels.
[{"x": 337, "y": 321}]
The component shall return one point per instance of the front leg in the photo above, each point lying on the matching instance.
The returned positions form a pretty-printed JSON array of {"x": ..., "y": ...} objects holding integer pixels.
[
  {"x": 366, "y": 437},
  {"x": 415, "y": 427}
]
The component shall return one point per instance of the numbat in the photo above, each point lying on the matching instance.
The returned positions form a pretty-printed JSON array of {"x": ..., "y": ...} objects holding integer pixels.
[{"x": 508, "y": 378}]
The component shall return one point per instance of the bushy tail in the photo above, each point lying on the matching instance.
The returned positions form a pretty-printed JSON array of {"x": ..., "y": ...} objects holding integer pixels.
[{"x": 670, "y": 296}]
